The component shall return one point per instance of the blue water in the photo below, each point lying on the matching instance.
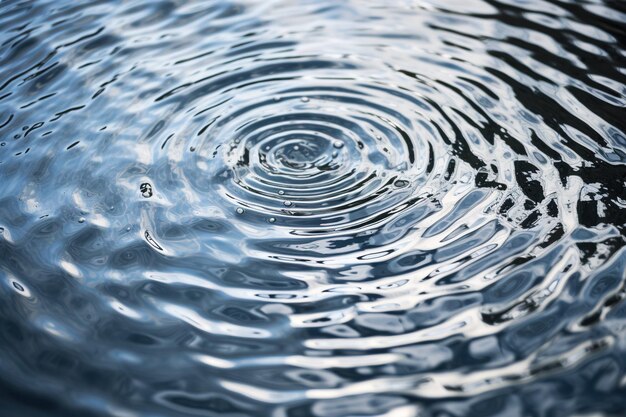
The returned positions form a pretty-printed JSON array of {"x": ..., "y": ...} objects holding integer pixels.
[{"x": 313, "y": 208}]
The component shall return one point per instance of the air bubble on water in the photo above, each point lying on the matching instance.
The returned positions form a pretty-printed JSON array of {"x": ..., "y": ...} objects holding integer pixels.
[
  {"x": 192, "y": 148},
  {"x": 239, "y": 210},
  {"x": 296, "y": 148},
  {"x": 335, "y": 154},
  {"x": 401, "y": 183},
  {"x": 287, "y": 203},
  {"x": 338, "y": 144},
  {"x": 271, "y": 219},
  {"x": 304, "y": 99},
  {"x": 81, "y": 220},
  {"x": 281, "y": 192}
]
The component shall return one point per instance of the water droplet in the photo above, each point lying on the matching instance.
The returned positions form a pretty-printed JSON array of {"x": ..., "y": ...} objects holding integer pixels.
[
  {"x": 338, "y": 144},
  {"x": 296, "y": 148},
  {"x": 151, "y": 241},
  {"x": 401, "y": 183},
  {"x": 272, "y": 219},
  {"x": 287, "y": 203},
  {"x": 146, "y": 190},
  {"x": 276, "y": 98},
  {"x": 128, "y": 229},
  {"x": 281, "y": 192},
  {"x": 304, "y": 99},
  {"x": 239, "y": 210},
  {"x": 81, "y": 220},
  {"x": 192, "y": 149},
  {"x": 335, "y": 154}
]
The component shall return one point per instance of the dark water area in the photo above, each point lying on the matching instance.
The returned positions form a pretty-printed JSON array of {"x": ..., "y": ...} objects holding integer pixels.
[{"x": 313, "y": 208}]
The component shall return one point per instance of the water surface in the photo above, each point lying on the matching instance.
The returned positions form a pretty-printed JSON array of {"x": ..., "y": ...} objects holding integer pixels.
[{"x": 312, "y": 208}]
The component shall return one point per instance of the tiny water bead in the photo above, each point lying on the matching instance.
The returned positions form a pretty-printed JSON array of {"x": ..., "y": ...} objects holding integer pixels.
[
  {"x": 240, "y": 210},
  {"x": 401, "y": 183},
  {"x": 146, "y": 190}
]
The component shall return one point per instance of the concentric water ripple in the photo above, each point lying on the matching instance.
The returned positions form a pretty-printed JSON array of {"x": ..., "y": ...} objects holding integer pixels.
[
  {"x": 312, "y": 208},
  {"x": 321, "y": 160}
]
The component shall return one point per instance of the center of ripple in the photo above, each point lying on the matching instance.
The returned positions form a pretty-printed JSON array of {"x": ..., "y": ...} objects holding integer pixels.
[{"x": 302, "y": 155}]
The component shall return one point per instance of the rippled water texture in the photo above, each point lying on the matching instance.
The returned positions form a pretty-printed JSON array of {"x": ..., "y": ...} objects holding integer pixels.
[{"x": 312, "y": 208}]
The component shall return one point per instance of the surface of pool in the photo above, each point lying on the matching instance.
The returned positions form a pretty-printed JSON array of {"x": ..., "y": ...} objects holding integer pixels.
[{"x": 312, "y": 208}]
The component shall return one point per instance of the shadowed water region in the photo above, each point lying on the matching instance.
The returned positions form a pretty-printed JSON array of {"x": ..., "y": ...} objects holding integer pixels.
[{"x": 312, "y": 208}]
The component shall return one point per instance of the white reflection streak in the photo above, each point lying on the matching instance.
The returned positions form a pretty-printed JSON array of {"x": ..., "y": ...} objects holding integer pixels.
[{"x": 211, "y": 326}]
